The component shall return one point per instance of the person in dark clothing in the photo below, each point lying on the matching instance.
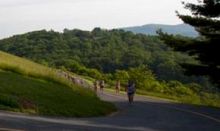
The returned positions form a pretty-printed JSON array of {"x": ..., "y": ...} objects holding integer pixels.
[
  {"x": 96, "y": 84},
  {"x": 131, "y": 91},
  {"x": 102, "y": 85}
]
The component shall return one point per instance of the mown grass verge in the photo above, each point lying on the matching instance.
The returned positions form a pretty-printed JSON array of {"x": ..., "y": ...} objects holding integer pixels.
[
  {"x": 204, "y": 99},
  {"x": 32, "y": 88}
]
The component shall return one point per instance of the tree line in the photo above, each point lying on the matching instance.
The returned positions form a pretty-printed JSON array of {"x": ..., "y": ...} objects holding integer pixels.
[{"x": 100, "y": 51}]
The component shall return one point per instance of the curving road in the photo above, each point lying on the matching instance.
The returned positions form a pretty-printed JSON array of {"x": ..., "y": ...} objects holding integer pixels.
[{"x": 146, "y": 114}]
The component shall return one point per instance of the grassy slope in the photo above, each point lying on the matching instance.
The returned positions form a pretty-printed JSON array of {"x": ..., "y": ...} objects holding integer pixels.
[
  {"x": 29, "y": 68},
  {"x": 44, "y": 92}
]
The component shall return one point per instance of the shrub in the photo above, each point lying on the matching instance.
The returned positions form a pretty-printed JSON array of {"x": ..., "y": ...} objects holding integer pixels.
[
  {"x": 8, "y": 101},
  {"x": 178, "y": 88}
]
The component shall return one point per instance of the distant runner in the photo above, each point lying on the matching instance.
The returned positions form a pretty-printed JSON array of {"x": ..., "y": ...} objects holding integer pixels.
[
  {"x": 130, "y": 91},
  {"x": 117, "y": 86},
  {"x": 102, "y": 85},
  {"x": 96, "y": 84}
]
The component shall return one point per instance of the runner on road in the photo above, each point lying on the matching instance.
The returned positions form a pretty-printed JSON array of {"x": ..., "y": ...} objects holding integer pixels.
[{"x": 131, "y": 91}]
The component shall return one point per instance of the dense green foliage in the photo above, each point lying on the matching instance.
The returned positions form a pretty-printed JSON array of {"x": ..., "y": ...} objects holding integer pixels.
[
  {"x": 146, "y": 80},
  {"x": 89, "y": 53},
  {"x": 147, "y": 84},
  {"x": 29, "y": 87},
  {"x": 114, "y": 55},
  {"x": 205, "y": 18}
]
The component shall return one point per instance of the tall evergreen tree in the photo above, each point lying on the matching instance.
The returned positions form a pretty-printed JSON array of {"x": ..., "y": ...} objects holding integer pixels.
[{"x": 206, "y": 48}]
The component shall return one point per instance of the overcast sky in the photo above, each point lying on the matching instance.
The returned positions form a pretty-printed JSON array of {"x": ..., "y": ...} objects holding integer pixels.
[{"x": 19, "y": 16}]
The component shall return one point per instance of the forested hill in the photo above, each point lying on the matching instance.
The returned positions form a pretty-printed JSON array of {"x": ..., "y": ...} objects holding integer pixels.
[
  {"x": 150, "y": 29},
  {"x": 103, "y": 50}
]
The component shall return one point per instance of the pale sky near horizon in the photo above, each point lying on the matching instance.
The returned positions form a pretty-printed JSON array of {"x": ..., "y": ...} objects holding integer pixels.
[{"x": 20, "y": 16}]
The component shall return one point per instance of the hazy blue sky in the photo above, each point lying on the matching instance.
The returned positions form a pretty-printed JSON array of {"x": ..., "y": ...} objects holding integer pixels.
[{"x": 19, "y": 16}]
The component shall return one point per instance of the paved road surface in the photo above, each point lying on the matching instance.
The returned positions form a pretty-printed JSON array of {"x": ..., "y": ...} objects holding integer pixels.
[{"x": 146, "y": 114}]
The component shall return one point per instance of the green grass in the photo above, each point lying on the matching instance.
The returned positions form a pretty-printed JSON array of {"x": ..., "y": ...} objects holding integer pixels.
[
  {"x": 32, "y": 88},
  {"x": 25, "y": 67},
  {"x": 204, "y": 99}
]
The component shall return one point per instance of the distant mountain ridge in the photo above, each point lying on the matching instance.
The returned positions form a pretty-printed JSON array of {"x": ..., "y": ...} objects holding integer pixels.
[{"x": 150, "y": 29}]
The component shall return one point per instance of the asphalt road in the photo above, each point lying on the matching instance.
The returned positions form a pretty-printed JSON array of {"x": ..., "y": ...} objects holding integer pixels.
[{"x": 146, "y": 114}]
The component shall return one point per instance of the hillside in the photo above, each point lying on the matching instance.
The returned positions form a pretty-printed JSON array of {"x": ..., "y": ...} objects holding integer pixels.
[
  {"x": 32, "y": 88},
  {"x": 113, "y": 55},
  {"x": 150, "y": 29},
  {"x": 89, "y": 53}
]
